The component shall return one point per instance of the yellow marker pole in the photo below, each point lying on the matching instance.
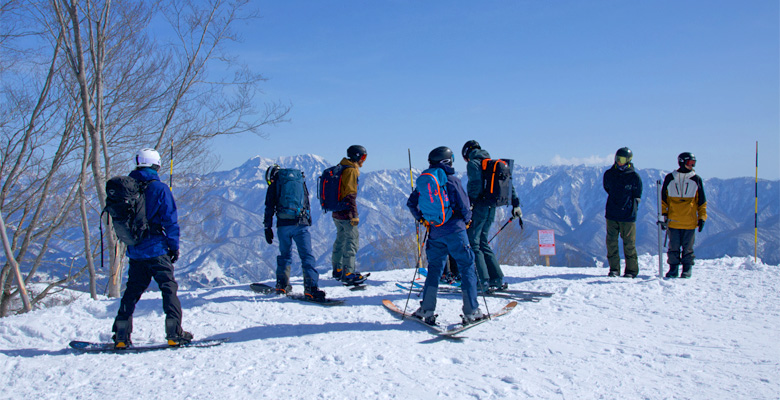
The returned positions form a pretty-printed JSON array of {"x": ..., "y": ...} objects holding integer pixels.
[{"x": 171, "y": 178}]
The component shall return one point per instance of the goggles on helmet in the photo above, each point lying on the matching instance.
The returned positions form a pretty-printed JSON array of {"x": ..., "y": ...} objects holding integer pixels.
[{"x": 621, "y": 160}]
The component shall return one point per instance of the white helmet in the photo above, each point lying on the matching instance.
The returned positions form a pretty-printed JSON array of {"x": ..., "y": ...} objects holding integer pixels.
[{"x": 147, "y": 158}]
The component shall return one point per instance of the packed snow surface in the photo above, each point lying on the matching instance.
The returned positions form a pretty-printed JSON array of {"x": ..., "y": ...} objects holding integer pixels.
[{"x": 710, "y": 337}]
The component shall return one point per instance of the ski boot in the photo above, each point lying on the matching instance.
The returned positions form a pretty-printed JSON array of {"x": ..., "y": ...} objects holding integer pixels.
[
  {"x": 499, "y": 287},
  {"x": 686, "y": 271},
  {"x": 673, "y": 271},
  {"x": 314, "y": 293},
  {"x": 121, "y": 335},
  {"x": 473, "y": 317},
  {"x": 336, "y": 274},
  {"x": 175, "y": 335},
  {"x": 426, "y": 316}
]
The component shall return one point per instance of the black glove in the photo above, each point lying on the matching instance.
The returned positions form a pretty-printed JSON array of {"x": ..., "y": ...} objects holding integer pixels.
[
  {"x": 174, "y": 255},
  {"x": 520, "y": 220},
  {"x": 701, "y": 224},
  {"x": 269, "y": 235}
]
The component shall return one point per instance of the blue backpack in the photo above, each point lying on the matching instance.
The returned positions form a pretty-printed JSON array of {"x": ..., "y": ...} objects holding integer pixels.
[
  {"x": 292, "y": 194},
  {"x": 434, "y": 202},
  {"x": 329, "y": 187}
]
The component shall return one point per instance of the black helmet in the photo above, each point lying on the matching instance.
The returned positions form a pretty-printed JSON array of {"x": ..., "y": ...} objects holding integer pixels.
[
  {"x": 470, "y": 145},
  {"x": 624, "y": 155},
  {"x": 270, "y": 173},
  {"x": 686, "y": 158},
  {"x": 442, "y": 155},
  {"x": 356, "y": 152}
]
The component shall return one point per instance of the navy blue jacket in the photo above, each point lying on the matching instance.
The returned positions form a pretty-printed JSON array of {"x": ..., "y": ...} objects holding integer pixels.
[
  {"x": 162, "y": 216},
  {"x": 459, "y": 202},
  {"x": 624, "y": 189}
]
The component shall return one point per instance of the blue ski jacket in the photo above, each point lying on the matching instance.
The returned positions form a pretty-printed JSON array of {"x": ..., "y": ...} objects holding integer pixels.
[
  {"x": 459, "y": 202},
  {"x": 162, "y": 216}
]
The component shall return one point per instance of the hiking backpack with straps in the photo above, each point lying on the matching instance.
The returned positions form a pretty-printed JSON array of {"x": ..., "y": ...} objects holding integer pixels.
[
  {"x": 329, "y": 187},
  {"x": 126, "y": 204},
  {"x": 291, "y": 194},
  {"x": 434, "y": 203},
  {"x": 496, "y": 181}
]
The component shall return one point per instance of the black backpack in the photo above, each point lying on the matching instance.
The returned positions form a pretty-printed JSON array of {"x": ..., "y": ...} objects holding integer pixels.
[
  {"x": 497, "y": 181},
  {"x": 328, "y": 188},
  {"x": 126, "y": 204}
]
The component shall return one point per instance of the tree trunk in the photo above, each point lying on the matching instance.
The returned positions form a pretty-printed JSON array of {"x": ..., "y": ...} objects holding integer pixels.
[{"x": 9, "y": 255}]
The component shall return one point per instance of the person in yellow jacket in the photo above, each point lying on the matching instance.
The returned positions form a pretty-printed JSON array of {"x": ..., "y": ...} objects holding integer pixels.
[
  {"x": 684, "y": 207},
  {"x": 346, "y": 244}
]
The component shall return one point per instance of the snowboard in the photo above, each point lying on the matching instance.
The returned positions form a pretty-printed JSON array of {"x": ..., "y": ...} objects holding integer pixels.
[
  {"x": 265, "y": 289},
  {"x": 456, "y": 287},
  {"x": 448, "y": 290},
  {"x": 91, "y": 347},
  {"x": 452, "y": 330}
]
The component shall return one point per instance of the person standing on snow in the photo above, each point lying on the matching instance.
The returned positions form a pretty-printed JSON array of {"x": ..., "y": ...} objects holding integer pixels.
[
  {"x": 347, "y": 236},
  {"x": 153, "y": 256},
  {"x": 483, "y": 215},
  {"x": 447, "y": 238},
  {"x": 684, "y": 207},
  {"x": 624, "y": 191},
  {"x": 288, "y": 197}
]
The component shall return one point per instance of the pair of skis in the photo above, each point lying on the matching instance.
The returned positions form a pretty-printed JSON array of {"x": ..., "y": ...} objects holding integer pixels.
[{"x": 452, "y": 330}]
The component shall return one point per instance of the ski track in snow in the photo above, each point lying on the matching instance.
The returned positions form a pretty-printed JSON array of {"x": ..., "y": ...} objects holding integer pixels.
[{"x": 709, "y": 337}]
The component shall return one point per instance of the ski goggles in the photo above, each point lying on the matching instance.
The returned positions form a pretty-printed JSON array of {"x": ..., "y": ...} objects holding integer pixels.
[
  {"x": 690, "y": 163},
  {"x": 622, "y": 160}
]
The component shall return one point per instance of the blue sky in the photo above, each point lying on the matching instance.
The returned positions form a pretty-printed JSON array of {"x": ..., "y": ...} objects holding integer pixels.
[{"x": 542, "y": 82}]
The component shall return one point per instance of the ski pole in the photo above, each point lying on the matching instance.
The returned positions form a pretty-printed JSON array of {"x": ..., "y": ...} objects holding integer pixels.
[
  {"x": 501, "y": 229},
  {"x": 411, "y": 284},
  {"x": 416, "y": 223}
]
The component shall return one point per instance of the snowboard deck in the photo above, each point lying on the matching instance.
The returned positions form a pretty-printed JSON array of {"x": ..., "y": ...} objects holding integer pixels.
[
  {"x": 93, "y": 347},
  {"x": 456, "y": 287},
  {"x": 451, "y": 331},
  {"x": 266, "y": 289},
  {"x": 447, "y": 290}
]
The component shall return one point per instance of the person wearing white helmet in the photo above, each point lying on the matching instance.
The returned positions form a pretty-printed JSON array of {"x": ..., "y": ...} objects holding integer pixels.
[{"x": 153, "y": 256}]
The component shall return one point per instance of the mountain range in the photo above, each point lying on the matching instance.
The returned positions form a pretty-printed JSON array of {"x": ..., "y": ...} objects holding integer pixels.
[{"x": 223, "y": 241}]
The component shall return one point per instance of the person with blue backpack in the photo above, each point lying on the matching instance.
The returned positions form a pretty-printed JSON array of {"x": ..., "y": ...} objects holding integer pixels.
[
  {"x": 488, "y": 189},
  {"x": 288, "y": 197},
  {"x": 439, "y": 202},
  {"x": 152, "y": 255}
]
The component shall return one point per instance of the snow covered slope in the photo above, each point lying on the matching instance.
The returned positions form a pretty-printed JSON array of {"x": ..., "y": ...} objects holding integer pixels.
[{"x": 709, "y": 337}]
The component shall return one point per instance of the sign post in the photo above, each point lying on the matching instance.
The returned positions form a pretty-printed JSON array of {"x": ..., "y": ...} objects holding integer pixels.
[{"x": 546, "y": 244}]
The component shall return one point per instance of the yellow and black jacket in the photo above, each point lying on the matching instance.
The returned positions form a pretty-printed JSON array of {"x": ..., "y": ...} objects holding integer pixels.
[
  {"x": 348, "y": 190},
  {"x": 683, "y": 199}
]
